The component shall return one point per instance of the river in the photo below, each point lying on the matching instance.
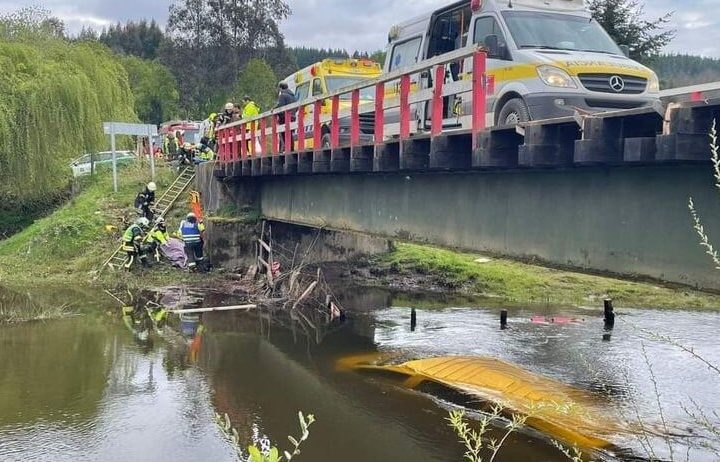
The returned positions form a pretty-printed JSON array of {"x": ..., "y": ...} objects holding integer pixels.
[{"x": 86, "y": 388}]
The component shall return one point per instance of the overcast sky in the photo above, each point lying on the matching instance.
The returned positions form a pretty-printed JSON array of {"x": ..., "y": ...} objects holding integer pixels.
[{"x": 363, "y": 25}]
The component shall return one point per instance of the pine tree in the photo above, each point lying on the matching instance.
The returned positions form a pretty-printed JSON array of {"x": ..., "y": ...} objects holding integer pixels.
[
  {"x": 625, "y": 21},
  {"x": 258, "y": 81}
]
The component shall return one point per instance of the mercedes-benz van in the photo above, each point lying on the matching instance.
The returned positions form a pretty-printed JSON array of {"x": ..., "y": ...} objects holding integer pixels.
[{"x": 546, "y": 59}]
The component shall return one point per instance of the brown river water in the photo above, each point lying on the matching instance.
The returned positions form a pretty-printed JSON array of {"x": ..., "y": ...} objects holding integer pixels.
[{"x": 87, "y": 388}]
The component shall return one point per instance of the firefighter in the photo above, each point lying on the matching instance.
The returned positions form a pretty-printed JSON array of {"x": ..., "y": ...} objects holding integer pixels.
[
  {"x": 133, "y": 240},
  {"x": 204, "y": 152},
  {"x": 186, "y": 155},
  {"x": 171, "y": 146},
  {"x": 145, "y": 200},
  {"x": 157, "y": 237},
  {"x": 210, "y": 131},
  {"x": 250, "y": 108},
  {"x": 191, "y": 230},
  {"x": 228, "y": 115}
]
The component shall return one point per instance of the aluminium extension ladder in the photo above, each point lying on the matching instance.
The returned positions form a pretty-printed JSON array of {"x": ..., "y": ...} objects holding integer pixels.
[{"x": 162, "y": 207}]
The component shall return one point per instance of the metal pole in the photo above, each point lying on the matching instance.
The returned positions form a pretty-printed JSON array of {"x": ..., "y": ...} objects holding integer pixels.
[
  {"x": 152, "y": 154},
  {"x": 114, "y": 157}
]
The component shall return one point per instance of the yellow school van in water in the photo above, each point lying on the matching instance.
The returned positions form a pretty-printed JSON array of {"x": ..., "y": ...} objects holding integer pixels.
[
  {"x": 326, "y": 77},
  {"x": 546, "y": 59}
]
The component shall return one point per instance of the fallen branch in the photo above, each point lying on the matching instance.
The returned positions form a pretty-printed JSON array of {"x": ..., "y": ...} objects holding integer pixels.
[{"x": 217, "y": 308}]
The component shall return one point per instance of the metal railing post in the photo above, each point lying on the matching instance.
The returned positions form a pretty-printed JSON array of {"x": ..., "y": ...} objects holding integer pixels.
[
  {"x": 243, "y": 142},
  {"x": 335, "y": 123},
  {"x": 301, "y": 129},
  {"x": 317, "y": 125},
  {"x": 438, "y": 107},
  {"x": 379, "y": 113},
  {"x": 288, "y": 132},
  {"x": 479, "y": 95},
  {"x": 404, "y": 107},
  {"x": 355, "y": 118}
]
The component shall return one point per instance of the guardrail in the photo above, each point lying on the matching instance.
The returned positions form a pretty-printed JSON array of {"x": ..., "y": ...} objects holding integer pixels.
[{"x": 260, "y": 136}]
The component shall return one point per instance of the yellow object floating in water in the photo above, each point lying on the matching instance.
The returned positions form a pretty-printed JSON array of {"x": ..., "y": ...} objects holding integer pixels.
[{"x": 566, "y": 413}]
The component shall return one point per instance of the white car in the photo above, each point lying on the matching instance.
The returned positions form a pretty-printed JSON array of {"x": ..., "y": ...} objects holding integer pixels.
[{"x": 82, "y": 166}]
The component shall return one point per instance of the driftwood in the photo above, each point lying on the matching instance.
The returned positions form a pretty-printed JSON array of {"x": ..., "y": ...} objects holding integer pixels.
[{"x": 217, "y": 308}]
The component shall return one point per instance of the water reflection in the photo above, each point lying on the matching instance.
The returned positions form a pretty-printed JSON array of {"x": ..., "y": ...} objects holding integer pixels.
[{"x": 85, "y": 389}]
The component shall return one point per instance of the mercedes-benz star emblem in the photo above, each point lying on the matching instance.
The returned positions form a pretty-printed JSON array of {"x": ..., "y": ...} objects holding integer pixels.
[{"x": 617, "y": 83}]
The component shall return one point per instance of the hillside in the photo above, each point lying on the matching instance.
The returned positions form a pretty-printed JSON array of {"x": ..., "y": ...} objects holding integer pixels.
[{"x": 683, "y": 70}]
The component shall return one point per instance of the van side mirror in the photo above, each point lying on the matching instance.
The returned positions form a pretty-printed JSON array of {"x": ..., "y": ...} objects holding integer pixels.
[
  {"x": 625, "y": 50},
  {"x": 492, "y": 43}
]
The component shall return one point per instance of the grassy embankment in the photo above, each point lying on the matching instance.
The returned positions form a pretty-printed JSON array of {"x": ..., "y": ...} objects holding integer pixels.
[
  {"x": 70, "y": 245},
  {"x": 525, "y": 283}
]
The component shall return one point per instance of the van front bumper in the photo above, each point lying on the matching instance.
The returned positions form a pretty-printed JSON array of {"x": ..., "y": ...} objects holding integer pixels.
[{"x": 553, "y": 105}]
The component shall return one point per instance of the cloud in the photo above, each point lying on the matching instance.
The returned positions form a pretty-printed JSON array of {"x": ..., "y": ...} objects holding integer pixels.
[{"x": 364, "y": 24}]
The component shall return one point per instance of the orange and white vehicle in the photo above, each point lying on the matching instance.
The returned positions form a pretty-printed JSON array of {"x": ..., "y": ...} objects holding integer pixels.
[{"x": 328, "y": 76}]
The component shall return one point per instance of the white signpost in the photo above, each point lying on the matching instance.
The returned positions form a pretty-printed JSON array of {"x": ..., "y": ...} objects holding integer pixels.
[{"x": 121, "y": 128}]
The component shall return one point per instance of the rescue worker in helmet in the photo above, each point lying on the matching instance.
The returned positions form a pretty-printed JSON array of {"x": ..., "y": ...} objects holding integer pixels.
[
  {"x": 228, "y": 115},
  {"x": 186, "y": 154},
  {"x": 250, "y": 109},
  {"x": 204, "y": 152},
  {"x": 133, "y": 242},
  {"x": 145, "y": 200},
  {"x": 191, "y": 230},
  {"x": 157, "y": 237}
]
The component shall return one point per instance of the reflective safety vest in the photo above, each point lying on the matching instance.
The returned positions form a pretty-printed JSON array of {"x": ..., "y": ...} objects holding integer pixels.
[
  {"x": 133, "y": 232},
  {"x": 207, "y": 154},
  {"x": 156, "y": 235},
  {"x": 190, "y": 232},
  {"x": 250, "y": 110}
]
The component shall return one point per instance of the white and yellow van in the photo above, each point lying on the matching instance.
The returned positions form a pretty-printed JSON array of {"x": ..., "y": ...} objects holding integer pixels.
[
  {"x": 546, "y": 58},
  {"x": 328, "y": 76}
]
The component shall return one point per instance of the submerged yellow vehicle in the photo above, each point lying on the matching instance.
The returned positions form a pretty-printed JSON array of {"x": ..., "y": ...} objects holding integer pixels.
[
  {"x": 328, "y": 76},
  {"x": 563, "y": 412}
]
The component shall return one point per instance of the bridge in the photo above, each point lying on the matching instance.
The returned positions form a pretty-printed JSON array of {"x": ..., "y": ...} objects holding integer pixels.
[{"x": 604, "y": 192}]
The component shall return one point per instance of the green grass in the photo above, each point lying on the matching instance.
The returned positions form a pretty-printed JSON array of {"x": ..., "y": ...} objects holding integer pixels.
[
  {"x": 525, "y": 283},
  {"x": 71, "y": 244}
]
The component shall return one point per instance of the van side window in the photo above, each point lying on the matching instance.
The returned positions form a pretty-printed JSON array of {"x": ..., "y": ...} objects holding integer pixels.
[
  {"x": 488, "y": 27},
  {"x": 317, "y": 88},
  {"x": 302, "y": 91},
  {"x": 405, "y": 54}
]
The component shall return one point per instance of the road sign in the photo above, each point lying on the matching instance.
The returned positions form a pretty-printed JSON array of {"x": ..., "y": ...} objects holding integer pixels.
[{"x": 122, "y": 128}]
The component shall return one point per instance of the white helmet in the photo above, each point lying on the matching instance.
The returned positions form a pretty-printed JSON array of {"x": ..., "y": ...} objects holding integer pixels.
[
  {"x": 191, "y": 215},
  {"x": 229, "y": 106},
  {"x": 152, "y": 187},
  {"x": 143, "y": 222}
]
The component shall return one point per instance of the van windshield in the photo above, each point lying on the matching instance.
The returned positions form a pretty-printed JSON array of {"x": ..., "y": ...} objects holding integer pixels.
[
  {"x": 554, "y": 31},
  {"x": 338, "y": 83}
]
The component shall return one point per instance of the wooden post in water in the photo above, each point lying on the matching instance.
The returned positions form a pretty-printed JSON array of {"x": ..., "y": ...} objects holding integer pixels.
[
  {"x": 609, "y": 314},
  {"x": 413, "y": 320},
  {"x": 503, "y": 319}
]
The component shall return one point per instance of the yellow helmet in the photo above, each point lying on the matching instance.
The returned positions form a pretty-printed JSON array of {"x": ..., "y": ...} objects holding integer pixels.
[{"x": 213, "y": 116}]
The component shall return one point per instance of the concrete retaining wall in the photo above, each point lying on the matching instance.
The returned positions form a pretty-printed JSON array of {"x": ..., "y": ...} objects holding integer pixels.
[{"x": 629, "y": 221}]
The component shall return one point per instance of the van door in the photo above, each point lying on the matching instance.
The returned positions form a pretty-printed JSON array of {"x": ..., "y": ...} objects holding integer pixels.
[
  {"x": 401, "y": 55},
  {"x": 449, "y": 31},
  {"x": 487, "y": 32}
]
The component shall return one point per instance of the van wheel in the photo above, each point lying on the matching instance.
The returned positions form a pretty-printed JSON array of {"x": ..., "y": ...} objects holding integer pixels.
[
  {"x": 514, "y": 112},
  {"x": 326, "y": 141}
]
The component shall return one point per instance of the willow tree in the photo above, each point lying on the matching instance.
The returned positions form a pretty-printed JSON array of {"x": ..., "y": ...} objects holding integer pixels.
[{"x": 56, "y": 95}]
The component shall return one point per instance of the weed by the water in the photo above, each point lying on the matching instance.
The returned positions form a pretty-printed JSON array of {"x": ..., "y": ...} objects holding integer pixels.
[{"x": 526, "y": 283}]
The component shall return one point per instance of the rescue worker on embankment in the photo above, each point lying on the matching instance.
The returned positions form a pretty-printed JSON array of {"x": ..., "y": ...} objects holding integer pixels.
[
  {"x": 133, "y": 242},
  {"x": 191, "y": 230},
  {"x": 145, "y": 200},
  {"x": 157, "y": 237},
  {"x": 170, "y": 147},
  {"x": 204, "y": 152}
]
